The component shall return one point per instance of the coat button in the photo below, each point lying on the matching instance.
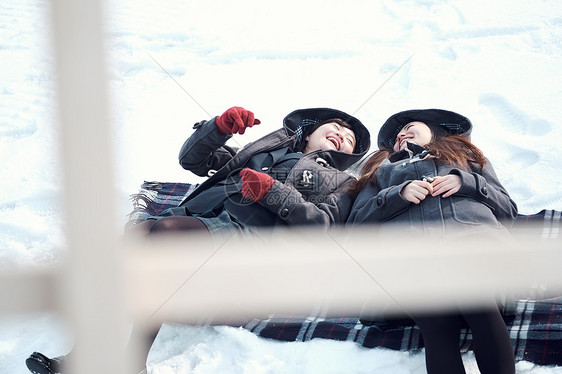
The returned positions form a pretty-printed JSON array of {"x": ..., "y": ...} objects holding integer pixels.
[
  {"x": 284, "y": 212},
  {"x": 379, "y": 201},
  {"x": 484, "y": 190}
]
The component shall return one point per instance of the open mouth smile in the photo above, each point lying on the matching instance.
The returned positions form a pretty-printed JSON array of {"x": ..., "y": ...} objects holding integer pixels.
[
  {"x": 403, "y": 141},
  {"x": 334, "y": 141}
]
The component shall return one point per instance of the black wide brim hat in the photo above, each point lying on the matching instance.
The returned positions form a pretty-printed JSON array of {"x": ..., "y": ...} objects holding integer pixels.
[
  {"x": 298, "y": 121},
  {"x": 451, "y": 122}
]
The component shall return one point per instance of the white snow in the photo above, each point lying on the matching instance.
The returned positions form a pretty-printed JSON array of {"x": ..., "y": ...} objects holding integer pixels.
[{"x": 172, "y": 63}]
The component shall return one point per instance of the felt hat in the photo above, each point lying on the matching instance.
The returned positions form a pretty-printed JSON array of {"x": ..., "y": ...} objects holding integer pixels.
[
  {"x": 451, "y": 122},
  {"x": 299, "y": 120}
]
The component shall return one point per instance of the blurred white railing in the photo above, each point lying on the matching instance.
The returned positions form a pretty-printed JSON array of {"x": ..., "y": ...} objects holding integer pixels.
[
  {"x": 91, "y": 287},
  {"x": 191, "y": 280}
]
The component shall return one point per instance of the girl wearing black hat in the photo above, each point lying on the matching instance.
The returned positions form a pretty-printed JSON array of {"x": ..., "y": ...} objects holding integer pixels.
[
  {"x": 429, "y": 178},
  {"x": 292, "y": 176}
]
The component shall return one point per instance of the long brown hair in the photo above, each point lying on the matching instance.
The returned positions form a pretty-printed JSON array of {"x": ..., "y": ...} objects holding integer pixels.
[{"x": 455, "y": 150}]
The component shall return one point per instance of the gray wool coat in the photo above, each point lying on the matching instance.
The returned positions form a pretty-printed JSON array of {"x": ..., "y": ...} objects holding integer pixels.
[
  {"x": 481, "y": 203},
  {"x": 315, "y": 190}
]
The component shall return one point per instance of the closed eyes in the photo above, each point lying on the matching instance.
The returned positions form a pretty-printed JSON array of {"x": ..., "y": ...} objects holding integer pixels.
[{"x": 348, "y": 139}]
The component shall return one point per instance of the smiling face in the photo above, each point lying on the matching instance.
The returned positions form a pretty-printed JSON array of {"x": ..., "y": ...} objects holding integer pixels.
[
  {"x": 414, "y": 132},
  {"x": 331, "y": 136}
]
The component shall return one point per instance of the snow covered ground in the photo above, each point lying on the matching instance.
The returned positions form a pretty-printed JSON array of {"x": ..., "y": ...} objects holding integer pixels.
[{"x": 172, "y": 63}]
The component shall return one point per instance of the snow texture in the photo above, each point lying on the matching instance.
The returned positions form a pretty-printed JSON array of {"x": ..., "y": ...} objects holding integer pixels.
[{"x": 172, "y": 63}]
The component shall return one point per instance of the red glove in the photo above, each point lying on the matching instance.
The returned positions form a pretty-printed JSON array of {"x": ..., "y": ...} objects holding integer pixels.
[
  {"x": 255, "y": 184},
  {"x": 236, "y": 120}
]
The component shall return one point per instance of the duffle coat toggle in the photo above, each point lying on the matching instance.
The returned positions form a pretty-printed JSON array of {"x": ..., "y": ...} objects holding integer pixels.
[
  {"x": 320, "y": 161},
  {"x": 424, "y": 155}
]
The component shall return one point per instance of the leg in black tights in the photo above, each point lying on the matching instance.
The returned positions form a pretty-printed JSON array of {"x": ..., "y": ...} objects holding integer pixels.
[
  {"x": 491, "y": 342},
  {"x": 441, "y": 336},
  {"x": 168, "y": 225}
]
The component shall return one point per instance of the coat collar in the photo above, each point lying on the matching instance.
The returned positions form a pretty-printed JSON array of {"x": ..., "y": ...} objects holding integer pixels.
[{"x": 410, "y": 151}]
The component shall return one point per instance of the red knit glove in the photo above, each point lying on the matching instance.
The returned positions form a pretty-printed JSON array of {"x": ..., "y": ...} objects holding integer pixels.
[
  {"x": 236, "y": 120},
  {"x": 255, "y": 184}
]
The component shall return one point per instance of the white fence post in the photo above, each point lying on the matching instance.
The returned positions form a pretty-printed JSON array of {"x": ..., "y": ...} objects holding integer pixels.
[{"x": 93, "y": 288}]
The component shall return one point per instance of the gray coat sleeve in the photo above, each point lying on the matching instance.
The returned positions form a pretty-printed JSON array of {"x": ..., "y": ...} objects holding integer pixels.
[
  {"x": 485, "y": 187},
  {"x": 375, "y": 205},
  {"x": 326, "y": 210},
  {"x": 205, "y": 149}
]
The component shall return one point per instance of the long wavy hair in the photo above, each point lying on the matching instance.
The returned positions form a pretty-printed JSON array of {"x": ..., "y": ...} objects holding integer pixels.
[{"x": 454, "y": 150}]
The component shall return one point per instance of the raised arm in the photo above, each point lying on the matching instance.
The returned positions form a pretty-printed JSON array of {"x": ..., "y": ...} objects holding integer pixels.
[{"x": 205, "y": 149}]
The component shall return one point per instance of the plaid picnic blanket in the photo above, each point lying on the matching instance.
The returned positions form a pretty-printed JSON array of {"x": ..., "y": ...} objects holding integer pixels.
[
  {"x": 535, "y": 330},
  {"x": 535, "y": 327}
]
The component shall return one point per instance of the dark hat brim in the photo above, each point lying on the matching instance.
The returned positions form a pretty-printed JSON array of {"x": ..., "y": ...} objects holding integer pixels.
[
  {"x": 295, "y": 119},
  {"x": 452, "y": 122}
]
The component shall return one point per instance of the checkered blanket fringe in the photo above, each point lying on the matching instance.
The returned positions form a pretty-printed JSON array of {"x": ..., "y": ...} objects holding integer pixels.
[
  {"x": 535, "y": 327},
  {"x": 154, "y": 198}
]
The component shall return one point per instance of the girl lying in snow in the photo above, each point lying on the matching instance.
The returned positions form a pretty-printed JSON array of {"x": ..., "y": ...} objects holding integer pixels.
[
  {"x": 427, "y": 177},
  {"x": 293, "y": 176}
]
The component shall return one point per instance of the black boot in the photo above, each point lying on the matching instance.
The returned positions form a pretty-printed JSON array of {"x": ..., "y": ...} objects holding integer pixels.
[{"x": 38, "y": 363}]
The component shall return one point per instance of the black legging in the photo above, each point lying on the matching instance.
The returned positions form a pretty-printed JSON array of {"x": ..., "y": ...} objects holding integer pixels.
[
  {"x": 170, "y": 224},
  {"x": 490, "y": 341}
]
